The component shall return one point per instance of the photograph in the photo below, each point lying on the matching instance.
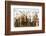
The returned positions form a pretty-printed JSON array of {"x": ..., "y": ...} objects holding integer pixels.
[{"x": 26, "y": 17}]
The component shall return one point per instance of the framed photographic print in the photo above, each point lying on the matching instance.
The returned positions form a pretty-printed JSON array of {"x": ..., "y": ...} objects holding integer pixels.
[{"x": 24, "y": 17}]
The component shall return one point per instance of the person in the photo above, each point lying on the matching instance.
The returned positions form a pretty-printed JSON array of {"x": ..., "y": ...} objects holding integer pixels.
[{"x": 35, "y": 20}]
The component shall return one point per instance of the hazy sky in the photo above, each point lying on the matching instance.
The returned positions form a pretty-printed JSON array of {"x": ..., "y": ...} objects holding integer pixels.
[{"x": 25, "y": 11}]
